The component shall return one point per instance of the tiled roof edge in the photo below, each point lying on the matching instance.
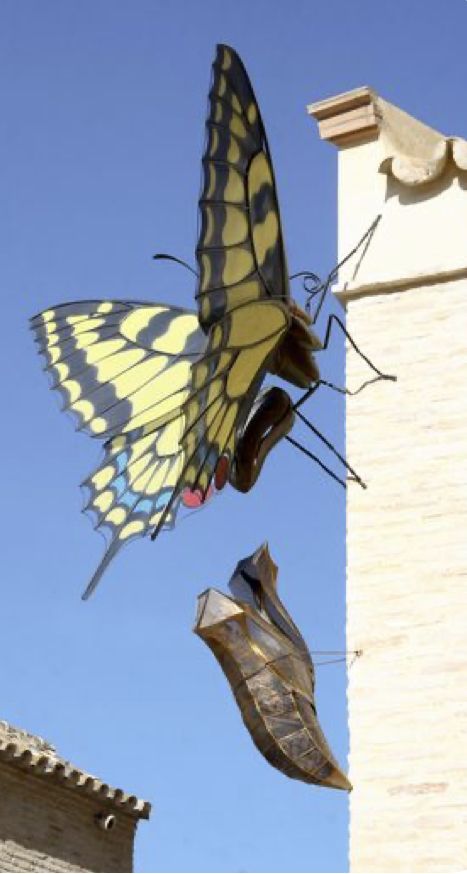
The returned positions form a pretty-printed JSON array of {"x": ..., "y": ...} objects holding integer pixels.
[{"x": 57, "y": 771}]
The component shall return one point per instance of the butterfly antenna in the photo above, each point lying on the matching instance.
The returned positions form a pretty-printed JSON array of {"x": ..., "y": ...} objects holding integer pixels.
[
  {"x": 163, "y": 256},
  {"x": 313, "y": 285}
]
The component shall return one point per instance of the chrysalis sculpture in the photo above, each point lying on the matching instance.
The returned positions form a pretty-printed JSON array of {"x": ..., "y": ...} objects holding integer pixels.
[
  {"x": 175, "y": 395},
  {"x": 270, "y": 671}
]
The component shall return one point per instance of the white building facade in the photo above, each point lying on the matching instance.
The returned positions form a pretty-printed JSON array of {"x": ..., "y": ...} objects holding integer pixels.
[{"x": 406, "y": 300}]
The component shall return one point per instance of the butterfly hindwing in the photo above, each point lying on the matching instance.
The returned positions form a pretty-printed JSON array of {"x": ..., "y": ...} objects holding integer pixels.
[
  {"x": 124, "y": 372},
  {"x": 131, "y": 489}
]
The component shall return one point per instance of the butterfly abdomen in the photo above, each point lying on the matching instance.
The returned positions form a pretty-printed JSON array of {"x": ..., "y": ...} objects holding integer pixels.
[{"x": 271, "y": 419}]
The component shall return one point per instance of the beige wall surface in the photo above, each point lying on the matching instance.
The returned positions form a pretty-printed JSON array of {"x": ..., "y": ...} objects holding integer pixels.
[
  {"x": 48, "y": 828},
  {"x": 406, "y": 297},
  {"x": 407, "y": 582}
]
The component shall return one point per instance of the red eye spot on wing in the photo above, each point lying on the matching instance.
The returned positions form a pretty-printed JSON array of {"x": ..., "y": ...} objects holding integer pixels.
[
  {"x": 194, "y": 499},
  {"x": 222, "y": 472}
]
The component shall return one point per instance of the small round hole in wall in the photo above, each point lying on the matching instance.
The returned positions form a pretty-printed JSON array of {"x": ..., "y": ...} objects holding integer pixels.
[{"x": 106, "y": 821}]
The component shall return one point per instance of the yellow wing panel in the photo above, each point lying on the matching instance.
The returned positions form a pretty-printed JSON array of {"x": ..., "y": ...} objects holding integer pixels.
[{"x": 119, "y": 365}]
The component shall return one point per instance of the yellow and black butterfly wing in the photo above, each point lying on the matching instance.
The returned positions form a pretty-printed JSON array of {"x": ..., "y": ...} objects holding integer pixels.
[
  {"x": 123, "y": 370},
  {"x": 243, "y": 286},
  {"x": 225, "y": 381},
  {"x": 167, "y": 401},
  {"x": 240, "y": 249}
]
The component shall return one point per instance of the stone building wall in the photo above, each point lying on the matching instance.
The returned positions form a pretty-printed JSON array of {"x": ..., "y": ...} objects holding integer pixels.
[
  {"x": 407, "y": 583},
  {"x": 56, "y": 817},
  {"x": 48, "y": 828},
  {"x": 406, "y": 298}
]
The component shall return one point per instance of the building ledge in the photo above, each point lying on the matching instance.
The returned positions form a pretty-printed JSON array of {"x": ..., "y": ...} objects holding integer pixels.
[{"x": 347, "y": 291}]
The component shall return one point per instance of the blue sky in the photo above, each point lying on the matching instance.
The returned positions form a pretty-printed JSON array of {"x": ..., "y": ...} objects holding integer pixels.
[{"x": 103, "y": 124}]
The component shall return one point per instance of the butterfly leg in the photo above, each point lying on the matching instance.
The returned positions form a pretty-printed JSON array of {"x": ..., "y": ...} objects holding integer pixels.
[
  {"x": 327, "y": 337},
  {"x": 322, "y": 294},
  {"x": 318, "y": 461},
  {"x": 315, "y": 387},
  {"x": 353, "y": 474}
]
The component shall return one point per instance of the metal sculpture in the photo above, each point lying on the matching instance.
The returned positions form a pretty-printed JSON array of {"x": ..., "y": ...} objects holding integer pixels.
[
  {"x": 175, "y": 395},
  {"x": 270, "y": 671}
]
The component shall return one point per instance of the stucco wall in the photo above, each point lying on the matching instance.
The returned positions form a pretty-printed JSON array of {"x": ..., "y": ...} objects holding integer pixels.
[
  {"x": 407, "y": 582},
  {"x": 44, "y": 827}
]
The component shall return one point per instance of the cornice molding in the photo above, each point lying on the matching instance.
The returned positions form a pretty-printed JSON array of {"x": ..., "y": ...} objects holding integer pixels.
[
  {"x": 411, "y": 152},
  {"x": 347, "y": 117},
  {"x": 347, "y": 291}
]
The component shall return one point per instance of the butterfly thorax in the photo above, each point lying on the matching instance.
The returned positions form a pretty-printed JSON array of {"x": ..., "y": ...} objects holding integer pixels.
[
  {"x": 271, "y": 417},
  {"x": 293, "y": 359}
]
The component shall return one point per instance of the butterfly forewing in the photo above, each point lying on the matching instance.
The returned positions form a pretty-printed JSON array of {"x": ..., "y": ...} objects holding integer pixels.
[{"x": 240, "y": 249}]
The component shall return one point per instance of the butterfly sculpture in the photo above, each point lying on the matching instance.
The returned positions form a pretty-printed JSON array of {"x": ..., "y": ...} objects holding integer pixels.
[{"x": 175, "y": 395}]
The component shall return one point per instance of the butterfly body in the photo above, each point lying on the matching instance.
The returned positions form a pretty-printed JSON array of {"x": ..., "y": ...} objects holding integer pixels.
[
  {"x": 293, "y": 359},
  {"x": 174, "y": 394}
]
